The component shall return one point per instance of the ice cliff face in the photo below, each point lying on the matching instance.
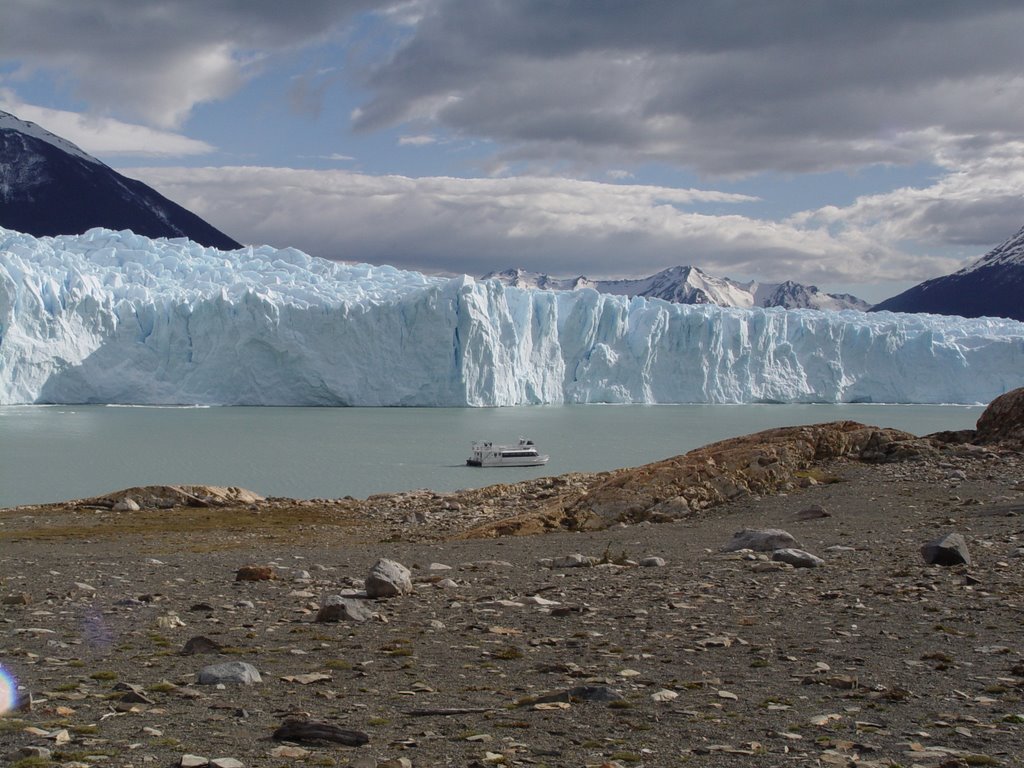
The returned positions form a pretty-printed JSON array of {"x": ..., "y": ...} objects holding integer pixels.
[{"x": 115, "y": 317}]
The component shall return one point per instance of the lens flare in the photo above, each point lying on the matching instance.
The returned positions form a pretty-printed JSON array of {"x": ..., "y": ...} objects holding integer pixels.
[{"x": 8, "y": 691}]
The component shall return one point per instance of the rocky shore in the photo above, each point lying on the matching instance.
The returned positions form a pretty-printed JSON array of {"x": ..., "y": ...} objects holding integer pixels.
[{"x": 870, "y": 615}]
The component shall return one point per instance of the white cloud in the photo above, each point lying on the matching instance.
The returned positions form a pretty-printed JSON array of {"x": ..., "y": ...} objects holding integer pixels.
[
  {"x": 556, "y": 225},
  {"x": 105, "y": 136},
  {"x": 416, "y": 141},
  {"x": 978, "y": 201}
]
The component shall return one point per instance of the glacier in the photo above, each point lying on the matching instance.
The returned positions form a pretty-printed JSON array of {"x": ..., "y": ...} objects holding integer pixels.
[{"x": 114, "y": 317}]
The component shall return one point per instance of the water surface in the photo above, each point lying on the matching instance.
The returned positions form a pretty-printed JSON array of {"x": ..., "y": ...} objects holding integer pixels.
[{"x": 54, "y": 453}]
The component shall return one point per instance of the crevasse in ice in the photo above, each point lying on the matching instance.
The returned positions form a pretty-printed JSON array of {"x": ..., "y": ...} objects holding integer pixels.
[{"x": 112, "y": 317}]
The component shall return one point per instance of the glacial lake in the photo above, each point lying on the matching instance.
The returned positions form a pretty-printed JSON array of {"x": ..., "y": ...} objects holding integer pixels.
[{"x": 59, "y": 452}]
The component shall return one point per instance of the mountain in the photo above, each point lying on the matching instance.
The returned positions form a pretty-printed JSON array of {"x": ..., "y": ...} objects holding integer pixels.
[
  {"x": 689, "y": 285},
  {"x": 992, "y": 286},
  {"x": 114, "y": 317},
  {"x": 48, "y": 186}
]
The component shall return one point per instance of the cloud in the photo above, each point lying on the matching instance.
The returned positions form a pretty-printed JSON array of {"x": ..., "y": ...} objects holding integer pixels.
[
  {"x": 724, "y": 88},
  {"x": 157, "y": 60},
  {"x": 555, "y": 225},
  {"x": 415, "y": 141},
  {"x": 977, "y": 200},
  {"x": 104, "y": 136}
]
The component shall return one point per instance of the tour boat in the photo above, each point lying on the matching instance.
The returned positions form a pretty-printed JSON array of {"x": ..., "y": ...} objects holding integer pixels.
[{"x": 523, "y": 454}]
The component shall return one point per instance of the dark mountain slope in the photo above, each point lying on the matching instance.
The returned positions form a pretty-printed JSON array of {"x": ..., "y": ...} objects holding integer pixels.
[{"x": 48, "y": 186}]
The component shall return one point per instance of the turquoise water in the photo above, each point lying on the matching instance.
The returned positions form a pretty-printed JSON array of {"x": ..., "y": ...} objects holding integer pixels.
[{"x": 54, "y": 453}]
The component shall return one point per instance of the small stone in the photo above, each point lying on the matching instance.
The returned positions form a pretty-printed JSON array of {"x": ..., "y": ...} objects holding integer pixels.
[
  {"x": 652, "y": 562},
  {"x": 311, "y": 731},
  {"x": 665, "y": 695},
  {"x": 760, "y": 540},
  {"x": 254, "y": 573},
  {"x": 338, "y": 608},
  {"x": 574, "y": 560},
  {"x": 40, "y": 752},
  {"x": 813, "y": 512},
  {"x": 200, "y": 644},
  {"x": 193, "y": 761},
  {"x": 226, "y": 762},
  {"x": 798, "y": 558},
  {"x": 231, "y": 672},
  {"x": 388, "y": 578}
]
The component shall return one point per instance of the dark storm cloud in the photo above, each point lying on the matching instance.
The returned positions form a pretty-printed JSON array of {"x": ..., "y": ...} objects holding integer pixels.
[
  {"x": 159, "y": 58},
  {"x": 812, "y": 86}
]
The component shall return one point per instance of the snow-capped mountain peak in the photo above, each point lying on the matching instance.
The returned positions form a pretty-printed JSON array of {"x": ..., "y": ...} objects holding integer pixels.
[
  {"x": 48, "y": 186},
  {"x": 690, "y": 285},
  {"x": 9, "y": 122},
  {"x": 1009, "y": 253},
  {"x": 991, "y": 286}
]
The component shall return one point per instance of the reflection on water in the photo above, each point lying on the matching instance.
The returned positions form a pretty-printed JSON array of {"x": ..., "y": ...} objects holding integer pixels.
[{"x": 53, "y": 453}]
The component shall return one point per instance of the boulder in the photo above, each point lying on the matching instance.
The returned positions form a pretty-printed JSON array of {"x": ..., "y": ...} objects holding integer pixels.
[
  {"x": 1003, "y": 420},
  {"x": 951, "y": 549},
  {"x": 388, "y": 578}
]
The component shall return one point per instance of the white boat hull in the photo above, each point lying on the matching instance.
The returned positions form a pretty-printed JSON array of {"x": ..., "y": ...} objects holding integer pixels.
[{"x": 524, "y": 454}]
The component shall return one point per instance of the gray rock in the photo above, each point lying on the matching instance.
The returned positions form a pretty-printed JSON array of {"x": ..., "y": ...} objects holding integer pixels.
[
  {"x": 652, "y": 562},
  {"x": 797, "y": 558},
  {"x": 760, "y": 540},
  {"x": 813, "y": 512},
  {"x": 581, "y": 693},
  {"x": 310, "y": 731},
  {"x": 388, "y": 578},
  {"x": 229, "y": 673},
  {"x": 951, "y": 549},
  {"x": 675, "y": 508},
  {"x": 338, "y": 608},
  {"x": 127, "y": 504}
]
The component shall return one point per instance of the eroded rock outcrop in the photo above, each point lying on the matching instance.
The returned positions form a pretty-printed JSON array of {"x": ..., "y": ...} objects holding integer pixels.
[
  {"x": 1003, "y": 420},
  {"x": 169, "y": 496},
  {"x": 762, "y": 463}
]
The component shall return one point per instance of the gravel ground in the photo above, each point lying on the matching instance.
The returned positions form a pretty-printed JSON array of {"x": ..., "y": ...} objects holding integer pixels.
[{"x": 710, "y": 659}]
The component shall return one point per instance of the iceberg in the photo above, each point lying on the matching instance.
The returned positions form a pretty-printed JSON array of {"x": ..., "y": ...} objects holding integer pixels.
[{"x": 114, "y": 317}]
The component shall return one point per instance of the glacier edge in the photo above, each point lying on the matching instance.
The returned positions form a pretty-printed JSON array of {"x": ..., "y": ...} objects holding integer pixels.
[{"x": 112, "y": 317}]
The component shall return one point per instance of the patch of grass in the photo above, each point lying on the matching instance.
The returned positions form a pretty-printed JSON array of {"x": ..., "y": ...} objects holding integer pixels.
[
  {"x": 979, "y": 759},
  {"x": 103, "y": 675},
  {"x": 164, "y": 686},
  {"x": 32, "y": 762},
  {"x": 276, "y": 522},
  {"x": 338, "y": 664}
]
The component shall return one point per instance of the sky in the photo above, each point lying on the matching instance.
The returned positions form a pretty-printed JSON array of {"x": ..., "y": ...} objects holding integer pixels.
[{"x": 859, "y": 145}]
